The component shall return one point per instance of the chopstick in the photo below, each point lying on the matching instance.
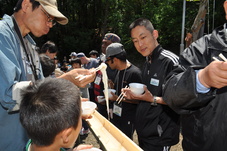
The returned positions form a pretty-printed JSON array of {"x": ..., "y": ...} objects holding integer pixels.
[
  {"x": 80, "y": 77},
  {"x": 223, "y": 57},
  {"x": 97, "y": 69},
  {"x": 121, "y": 96},
  {"x": 216, "y": 59}
]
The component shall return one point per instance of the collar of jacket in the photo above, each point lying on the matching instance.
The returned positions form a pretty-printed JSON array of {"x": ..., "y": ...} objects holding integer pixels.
[
  {"x": 155, "y": 53},
  {"x": 218, "y": 39}
]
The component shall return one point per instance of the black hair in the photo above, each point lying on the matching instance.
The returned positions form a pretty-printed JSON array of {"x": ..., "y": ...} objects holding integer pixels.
[
  {"x": 76, "y": 60},
  {"x": 142, "y": 22},
  {"x": 50, "y": 46},
  {"x": 18, "y": 6},
  {"x": 121, "y": 56},
  {"x": 94, "y": 52},
  {"x": 48, "y": 107},
  {"x": 47, "y": 64}
]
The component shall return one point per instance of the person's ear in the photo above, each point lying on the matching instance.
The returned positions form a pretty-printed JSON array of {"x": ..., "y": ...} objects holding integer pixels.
[
  {"x": 66, "y": 134},
  {"x": 25, "y": 4},
  {"x": 48, "y": 51},
  {"x": 155, "y": 34}
]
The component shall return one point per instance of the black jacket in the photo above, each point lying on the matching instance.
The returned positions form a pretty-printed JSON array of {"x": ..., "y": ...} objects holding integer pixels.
[
  {"x": 157, "y": 125},
  {"x": 204, "y": 119}
]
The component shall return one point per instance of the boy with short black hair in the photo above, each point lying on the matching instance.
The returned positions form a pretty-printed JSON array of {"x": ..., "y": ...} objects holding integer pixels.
[{"x": 51, "y": 114}]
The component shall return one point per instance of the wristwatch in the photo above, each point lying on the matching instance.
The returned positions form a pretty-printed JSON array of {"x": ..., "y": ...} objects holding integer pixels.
[{"x": 154, "y": 103}]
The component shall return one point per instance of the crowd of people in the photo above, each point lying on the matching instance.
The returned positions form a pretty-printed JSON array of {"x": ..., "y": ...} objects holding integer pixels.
[{"x": 186, "y": 93}]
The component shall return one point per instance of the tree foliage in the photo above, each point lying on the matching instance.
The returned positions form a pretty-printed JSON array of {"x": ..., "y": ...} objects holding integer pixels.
[{"x": 89, "y": 20}]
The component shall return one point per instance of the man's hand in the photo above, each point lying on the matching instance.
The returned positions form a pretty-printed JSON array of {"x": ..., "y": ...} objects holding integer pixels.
[
  {"x": 88, "y": 76},
  {"x": 214, "y": 75},
  {"x": 128, "y": 94},
  {"x": 146, "y": 96},
  {"x": 113, "y": 97},
  {"x": 110, "y": 84}
]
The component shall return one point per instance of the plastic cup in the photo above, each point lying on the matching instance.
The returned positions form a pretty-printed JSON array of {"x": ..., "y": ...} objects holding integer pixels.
[
  {"x": 88, "y": 108},
  {"x": 100, "y": 99},
  {"x": 137, "y": 88},
  {"x": 109, "y": 92}
]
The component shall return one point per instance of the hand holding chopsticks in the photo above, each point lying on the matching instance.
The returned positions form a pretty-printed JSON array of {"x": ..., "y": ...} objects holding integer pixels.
[
  {"x": 214, "y": 75},
  {"x": 102, "y": 66},
  {"x": 121, "y": 96}
]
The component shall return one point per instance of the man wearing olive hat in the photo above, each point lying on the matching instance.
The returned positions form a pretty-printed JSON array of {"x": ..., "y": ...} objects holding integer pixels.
[{"x": 20, "y": 64}]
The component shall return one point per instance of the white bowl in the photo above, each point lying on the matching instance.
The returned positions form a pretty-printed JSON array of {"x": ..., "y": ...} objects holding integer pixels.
[
  {"x": 88, "y": 108},
  {"x": 109, "y": 92},
  {"x": 136, "y": 88},
  {"x": 100, "y": 99}
]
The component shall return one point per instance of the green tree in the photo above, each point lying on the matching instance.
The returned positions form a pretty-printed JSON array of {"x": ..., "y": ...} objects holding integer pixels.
[{"x": 89, "y": 20}]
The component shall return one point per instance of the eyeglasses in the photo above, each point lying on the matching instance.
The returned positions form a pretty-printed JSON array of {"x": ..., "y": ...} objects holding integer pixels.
[
  {"x": 107, "y": 60},
  {"x": 49, "y": 19}
]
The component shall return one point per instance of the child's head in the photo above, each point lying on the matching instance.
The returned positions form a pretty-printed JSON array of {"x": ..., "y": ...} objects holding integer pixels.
[
  {"x": 76, "y": 63},
  {"x": 51, "y": 110}
]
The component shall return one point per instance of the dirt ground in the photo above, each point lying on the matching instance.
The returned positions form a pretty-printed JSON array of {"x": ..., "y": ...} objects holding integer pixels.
[{"x": 90, "y": 139}]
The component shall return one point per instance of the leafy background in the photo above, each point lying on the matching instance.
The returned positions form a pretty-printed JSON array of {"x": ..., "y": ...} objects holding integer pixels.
[{"x": 89, "y": 20}]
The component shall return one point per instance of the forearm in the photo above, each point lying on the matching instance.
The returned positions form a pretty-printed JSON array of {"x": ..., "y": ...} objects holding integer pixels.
[
  {"x": 160, "y": 100},
  {"x": 130, "y": 101},
  {"x": 181, "y": 95},
  {"x": 156, "y": 99}
]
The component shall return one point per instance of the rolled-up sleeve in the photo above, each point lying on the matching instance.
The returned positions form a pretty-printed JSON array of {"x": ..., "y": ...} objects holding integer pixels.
[{"x": 16, "y": 92}]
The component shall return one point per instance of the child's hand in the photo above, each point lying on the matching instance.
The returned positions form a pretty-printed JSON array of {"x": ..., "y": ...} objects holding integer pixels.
[
  {"x": 84, "y": 117},
  {"x": 82, "y": 146},
  {"x": 84, "y": 99}
]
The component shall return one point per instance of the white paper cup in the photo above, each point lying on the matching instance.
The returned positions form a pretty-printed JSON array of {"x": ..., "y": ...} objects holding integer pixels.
[
  {"x": 109, "y": 92},
  {"x": 88, "y": 108},
  {"x": 100, "y": 99},
  {"x": 137, "y": 88}
]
